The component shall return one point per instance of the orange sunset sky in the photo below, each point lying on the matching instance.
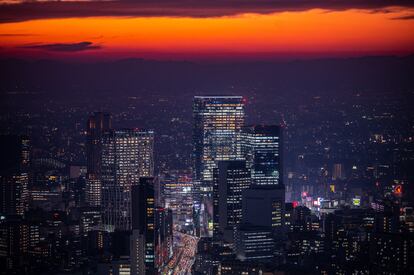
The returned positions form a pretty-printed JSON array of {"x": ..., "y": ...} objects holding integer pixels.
[{"x": 246, "y": 34}]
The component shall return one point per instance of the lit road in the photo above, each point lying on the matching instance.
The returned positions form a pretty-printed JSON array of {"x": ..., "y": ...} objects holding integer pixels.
[{"x": 184, "y": 253}]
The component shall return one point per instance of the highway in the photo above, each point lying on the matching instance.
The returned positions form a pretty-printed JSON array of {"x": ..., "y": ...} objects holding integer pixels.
[{"x": 185, "y": 247}]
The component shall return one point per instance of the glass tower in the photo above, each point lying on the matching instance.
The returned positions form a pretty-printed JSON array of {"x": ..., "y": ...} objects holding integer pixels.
[
  {"x": 97, "y": 125},
  {"x": 143, "y": 226},
  {"x": 127, "y": 155},
  {"x": 230, "y": 179},
  {"x": 262, "y": 149},
  {"x": 218, "y": 121},
  {"x": 14, "y": 174}
]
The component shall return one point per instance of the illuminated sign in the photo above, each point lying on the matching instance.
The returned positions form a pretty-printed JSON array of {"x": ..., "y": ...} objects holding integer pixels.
[
  {"x": 356, "y": 201},
  {"x": 398, "y": 190},
  {"x": 332, "y": 187}
]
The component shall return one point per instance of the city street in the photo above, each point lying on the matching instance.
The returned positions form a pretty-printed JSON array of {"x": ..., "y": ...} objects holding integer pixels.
[{"x": 184, "y": 254}]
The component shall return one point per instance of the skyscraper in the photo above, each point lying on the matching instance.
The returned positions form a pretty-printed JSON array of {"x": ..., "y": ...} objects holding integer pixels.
[
  {"x": 97, "y": 125},
  {"x": 264, "y": 205},
  {"x": 127, "y": 155},
  {"x": 14, "y": 177},
  {"x": 262, "y": 226},
  {"x": 230, "y": 179},
  {"x": 14, "y": 199},
  {"x": 14, "y": 243},
  {"x": 262, "y": 148},
  {"x": 217, "y": 124},
  {"x": 143, "y": 227},
  {"x": 254, "y": 243}
]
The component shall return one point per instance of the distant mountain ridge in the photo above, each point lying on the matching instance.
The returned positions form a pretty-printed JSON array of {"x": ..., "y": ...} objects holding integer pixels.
[{"x": 375, "y": 73}]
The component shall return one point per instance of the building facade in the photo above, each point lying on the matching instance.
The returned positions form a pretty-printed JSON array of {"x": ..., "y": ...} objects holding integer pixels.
[
  {"x": 262, "y": 149},
  {"x": 97, "y": 125},
  {"x": 14, "y": 176},
  {"x": 217, "y": 124},
  {"x": 230, "y": 179},
  {"x": 127, "y": 155},
  {"x": 143, "y": 227}
]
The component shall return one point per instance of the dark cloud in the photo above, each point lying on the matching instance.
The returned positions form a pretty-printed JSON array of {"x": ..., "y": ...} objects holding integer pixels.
[
  {"x": 65, "y": 47},
  {"x": 406, "y": 17},
  {"x": 188, "y": 8}
]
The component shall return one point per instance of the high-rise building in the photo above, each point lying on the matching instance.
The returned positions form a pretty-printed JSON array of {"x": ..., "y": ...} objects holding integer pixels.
[
  {"x": 230, "y": 179},
  {"x": 14, "y": 243},
  {"x": 90, "y": 219},
  {"x": 254, "y": 243},
  {"x": 217, "y": 124},
  {"x": 97, "y": 125},
  {"x": 262, "y": 227},
  {"x": 143, "y": 227},
  {"x": 262, "y": 148},
  {"x": 14, "y": 177},
  {"x": 127, "y": 155},
  {"x": 264, "y": 205}
]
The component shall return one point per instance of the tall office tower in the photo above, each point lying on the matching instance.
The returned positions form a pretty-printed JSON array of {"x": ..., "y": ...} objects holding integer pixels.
[
  {"x": 14, "y": 177},
  {"x": 97, "y": 125},
  {"x": 14, "y": 244},
  {"x": 262, "y": 148},
  {"x": 262, "y": 225},
  {"x": 230, "y": 179},
  {"x": 217, "y": 124},
  {"x": 264, "y": 205},
  {"x": 143, "y": 227},
  {"x": 127, "y": 155}
]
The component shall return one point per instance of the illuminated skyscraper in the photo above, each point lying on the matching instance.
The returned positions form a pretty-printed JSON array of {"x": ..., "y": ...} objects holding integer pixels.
[
  {"x": 97, "y": 125},
  {"x": 262, "y": 148},
  {"x": 127, "y": 155},
  {"x": 14, "y": 243},
  {"x": 14, "y": 178},
  {"x": 143, "y": 240},
  {"x": 230, "y": 179},
  {"x": 217, "y": 124}
]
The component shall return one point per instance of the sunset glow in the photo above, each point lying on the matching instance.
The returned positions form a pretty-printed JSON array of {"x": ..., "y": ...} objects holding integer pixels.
[{"x": 314, "y": 32}]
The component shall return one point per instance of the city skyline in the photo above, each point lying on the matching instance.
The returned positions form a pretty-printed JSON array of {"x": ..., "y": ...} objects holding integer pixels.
[
  {"x": 206, "y": 137},
  {"x": 255, "y": 217}
]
